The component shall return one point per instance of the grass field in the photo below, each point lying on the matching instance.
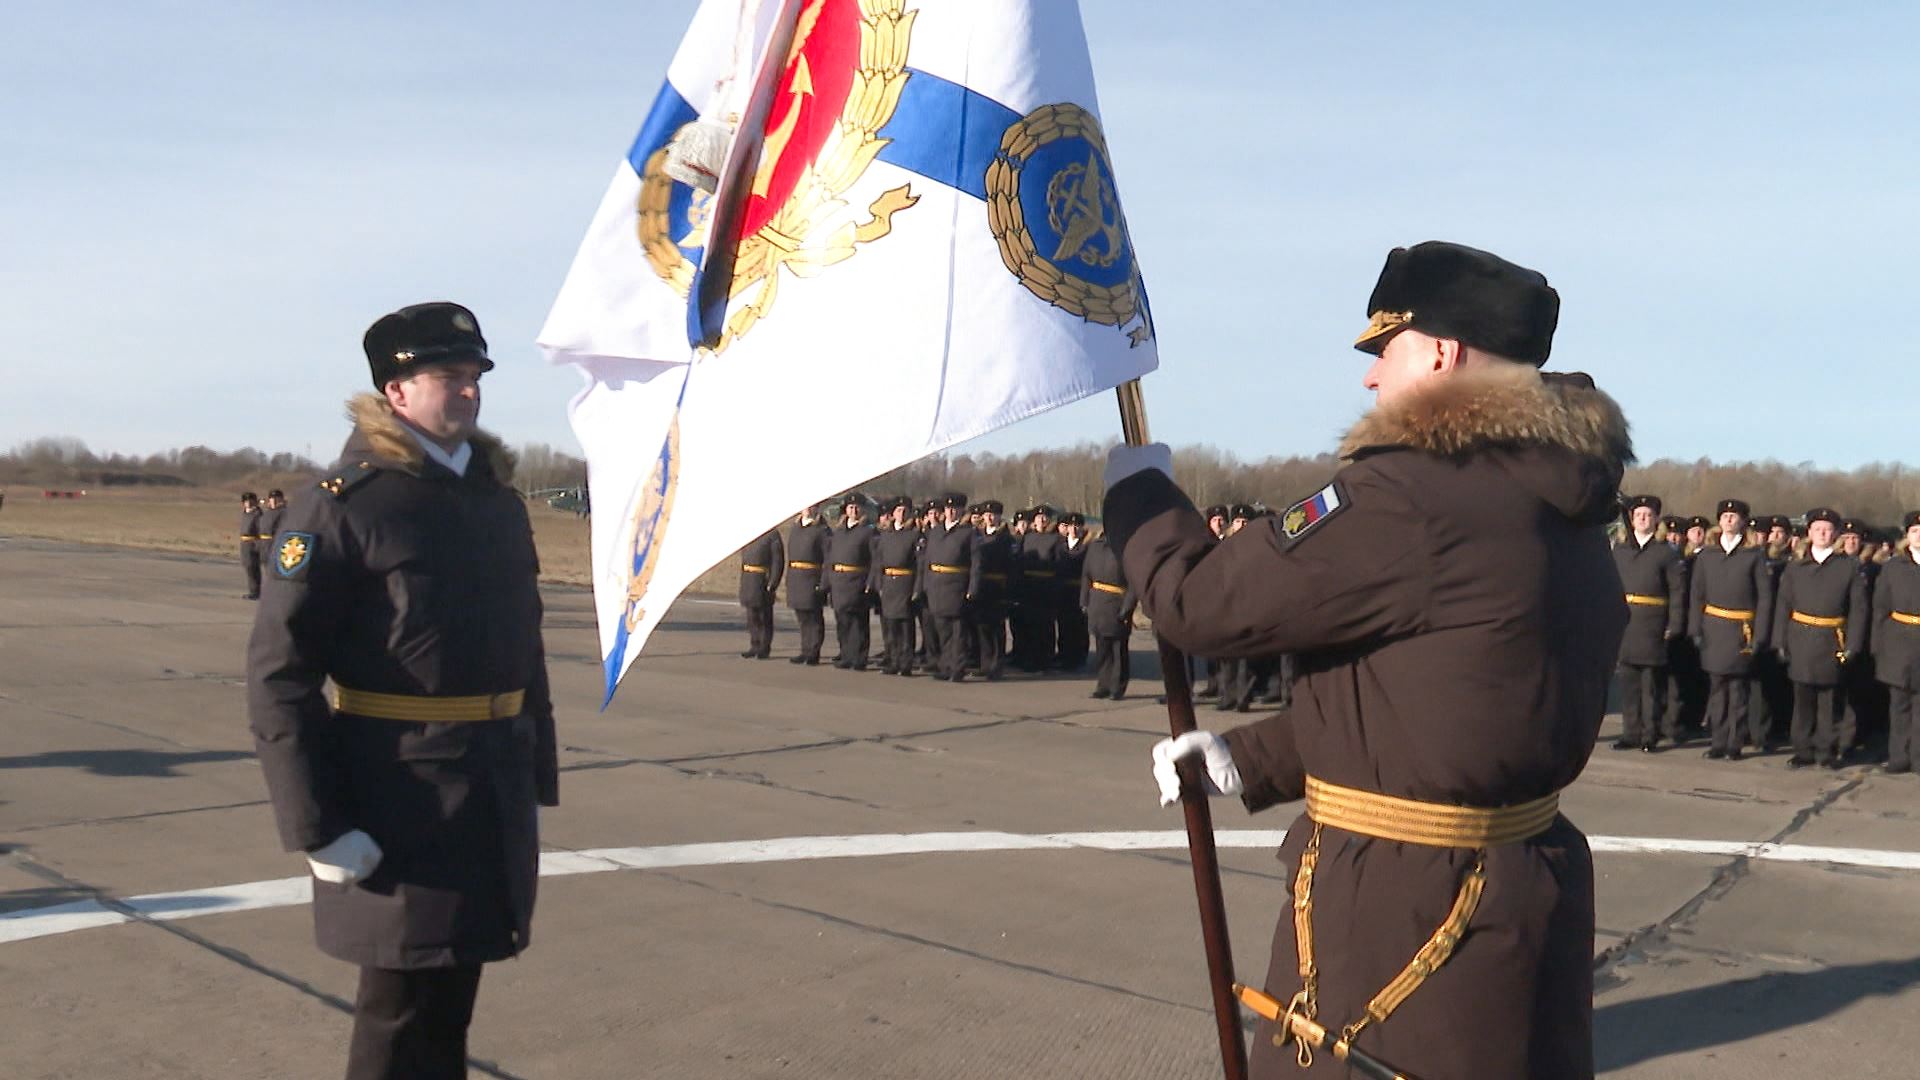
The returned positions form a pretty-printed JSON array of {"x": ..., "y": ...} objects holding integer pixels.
[{"x": 207, "y": 522}]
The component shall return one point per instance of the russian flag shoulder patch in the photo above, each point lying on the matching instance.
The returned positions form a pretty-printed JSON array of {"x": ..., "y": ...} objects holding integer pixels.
[{"x": 1301, "y": 517}]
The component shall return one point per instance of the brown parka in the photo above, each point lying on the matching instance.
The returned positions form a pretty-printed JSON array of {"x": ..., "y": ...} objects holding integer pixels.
[{"x": 1455, "y": 615}]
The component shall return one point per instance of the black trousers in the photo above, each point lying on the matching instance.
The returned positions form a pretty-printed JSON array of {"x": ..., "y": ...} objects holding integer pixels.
[
  {"x": 897, "y": 636},
  {"x": 1729, "y": 713},
  {"x": 760, "y": 629},
  {"x": 1113, "y": 665},
  {"x": 813, "y": 632},
  {"x": 928, "y": 653},
  {"x": 1822, "y": 726},
  {"x": 412, "y": 1025},
  {"x": 250, "y": 561},
  {"x": 1072, "y": 632},
  {"x": 1903, "y": 749},
  {"x": 948, "y": 647},
  {"x": 853, "y": 631},
  {"x": 990, "y": 642},
  {"x": 1643, "y": 704},
  {"x": 1032, "y": 624}
]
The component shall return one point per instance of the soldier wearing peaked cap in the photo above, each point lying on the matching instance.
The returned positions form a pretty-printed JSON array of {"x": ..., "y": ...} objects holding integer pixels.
[
  {"x": 1896, "y": 644},
  {"x": 1108, "y": 607},
  {"x": 849, "y": 580},
  {"x": 762, "y": 564},
  {"x": 1821, "y": 619},
  {"x": 895, "y": 580},
  {"x": 1651, "y": 572},
  {"x": 806, "y": 582},
  {"x": 407, "y": 578},
  {"x": 1033, "y": 592},
  {"x": 987, "y": 608},
  {"x": 1456, "y": 617},
  {"x": 250, "y": 542},
  {"x": 950, "y": 575},
  {"x": 1729, "y": 617},
  {"x": 1070, "y": 652}
]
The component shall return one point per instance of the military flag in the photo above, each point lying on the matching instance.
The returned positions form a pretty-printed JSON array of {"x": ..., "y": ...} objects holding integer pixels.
[{"x": 915, "y": 238}]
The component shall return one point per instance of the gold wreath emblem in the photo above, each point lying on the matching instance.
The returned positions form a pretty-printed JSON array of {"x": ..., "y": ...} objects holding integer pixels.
[
  {"x": 1083, "y": 210},
  {"x": 650, "y": 521},
  {"x": 293, "y": 552},
  {"x": 811, "y": 231}
]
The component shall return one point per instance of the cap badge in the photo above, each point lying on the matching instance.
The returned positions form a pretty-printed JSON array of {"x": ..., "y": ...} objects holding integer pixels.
[{"x": 463, "y": 323}]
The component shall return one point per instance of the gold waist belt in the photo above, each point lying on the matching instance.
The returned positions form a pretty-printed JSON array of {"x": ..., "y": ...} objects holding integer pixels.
[
  {"x": 1646, "y": 601},
  {"x": 749, "y": 568},
  {"x": 898, "y": 571},
  {"x": 943, "y": 568},
  {"x": 993, "y": 577},
  {"x": 428, "y": 710},
  {"x": 1903, "y": 617},
  {"x": 798, "y": 565},
  {"x": 1727, "y": 613},
  {"x": 848, "y": 568},
  {"x": 1824, "y": 622},
  {"x": 1104, "y": 587},
  {"x": 1431, "y": 824}
]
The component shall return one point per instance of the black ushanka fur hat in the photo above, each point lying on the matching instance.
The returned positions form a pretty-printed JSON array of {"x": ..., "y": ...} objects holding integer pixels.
[{"x": 1473, "y": 296}]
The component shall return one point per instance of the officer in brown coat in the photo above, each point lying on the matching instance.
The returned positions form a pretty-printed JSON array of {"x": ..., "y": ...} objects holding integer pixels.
[
  {"x": 1654, "y": 578},
  {"x": 1456, "y": 617},
  {"x": 1896, "y": 645},
  {"x": 1729, "y": 617},
  {"x": 1820, "y": 620},
  {"x": 407, "y": 577}
]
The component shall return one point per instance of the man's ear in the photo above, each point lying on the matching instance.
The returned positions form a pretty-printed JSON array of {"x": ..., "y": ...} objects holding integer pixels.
[
  {"x": 1447, "y": 355},
  {"x": 396, "y": 393}
]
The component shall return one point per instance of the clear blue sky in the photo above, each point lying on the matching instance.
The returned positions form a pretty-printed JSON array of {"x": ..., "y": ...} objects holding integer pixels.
[{"x": 206, "y": 203}]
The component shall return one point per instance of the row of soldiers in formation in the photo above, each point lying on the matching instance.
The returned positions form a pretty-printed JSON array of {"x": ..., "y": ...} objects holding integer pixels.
[
  {"x": 1744, "y": 620},
  {"x": 258, "y": 524},
  {"x": 950, "y": 579}
]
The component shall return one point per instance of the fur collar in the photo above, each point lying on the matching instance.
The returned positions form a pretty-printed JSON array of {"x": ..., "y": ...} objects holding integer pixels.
[
  {"x": 1474, "y": 411},
  {"x": 387, "y": 437}
]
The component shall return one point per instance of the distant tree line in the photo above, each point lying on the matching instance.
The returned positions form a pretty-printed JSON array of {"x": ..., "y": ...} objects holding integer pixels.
[{"x": 1069, "y": 478}]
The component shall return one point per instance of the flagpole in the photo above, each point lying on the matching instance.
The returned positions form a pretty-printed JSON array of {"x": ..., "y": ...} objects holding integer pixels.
[{"x": 1193, "y": 801}]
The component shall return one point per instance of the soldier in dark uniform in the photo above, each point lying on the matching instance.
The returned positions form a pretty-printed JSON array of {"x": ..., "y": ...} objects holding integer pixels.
[
  {"x": 408, "y": 578},
  {"x": 896, "y": 579},
  {"x": 1774, "y": 706},
  {"x": 1867, "y": 699},
  {"x": 926, "y": 655},
  {"x": 987, "y": 608},
  {"x": 1456, "y": 617},
  {"x": 1108, "y": 606},
  {"x": 806, "y": 582},
  {"x": 1071, "y": 625},
  {"x": 1019, "y": 525},
  {"x": 1896, "y": 645},
  {"x": 271, "y": 511},
  {"x": 1686, "y": 682},
  {"x": 1650, "y": 571},
  {"x": 849, "y": 573},
  {"x": 1820, "y": 618},
  {"x": 762, "y": 564},
  {"x": 1033, "y": 592},
  {"x": 250, "y": 542},
  {"x": 950, "y": 575},
  {"x": 1729, "y": 615}
]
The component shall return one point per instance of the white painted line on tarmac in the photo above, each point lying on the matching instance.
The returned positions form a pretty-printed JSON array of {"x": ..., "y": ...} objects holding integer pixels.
[{"x": 66, "y": 918}]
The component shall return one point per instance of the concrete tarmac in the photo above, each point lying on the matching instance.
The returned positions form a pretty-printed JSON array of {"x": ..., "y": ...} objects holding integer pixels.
[{"x": 126, "y": 770}]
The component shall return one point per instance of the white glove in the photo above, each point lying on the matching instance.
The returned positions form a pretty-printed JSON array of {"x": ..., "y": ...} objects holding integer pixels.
[
  {"x": 1124, "y": 461},
  {"x": 697, "y": 153},
  {"x": 1223, "y": 776},
  {"x": 345, "y": 861}
]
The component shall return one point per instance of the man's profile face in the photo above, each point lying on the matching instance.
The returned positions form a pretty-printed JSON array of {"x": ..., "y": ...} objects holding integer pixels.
[
  {"x": 443, "y": 401},
  {"x": 1410, "y": 359},
  {"x": 1913, "y": 538},
  {"x": 1642, "y": 519}
]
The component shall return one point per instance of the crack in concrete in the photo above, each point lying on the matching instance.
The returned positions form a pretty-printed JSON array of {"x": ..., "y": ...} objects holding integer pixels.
[
  {"x": 615, "y": 761},
  {"x": 136, "y": 817},
  {"x": 941, "y": 946},
  {"x": 1641, "y": 944},
  {"x": 225, "y": 952}
]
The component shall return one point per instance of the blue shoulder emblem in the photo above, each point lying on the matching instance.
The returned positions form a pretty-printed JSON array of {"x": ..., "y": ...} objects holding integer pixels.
[{"x": 293, "y": 554}]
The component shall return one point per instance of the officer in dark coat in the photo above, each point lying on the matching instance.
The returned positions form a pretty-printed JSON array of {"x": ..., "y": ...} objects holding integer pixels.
[
  {"x": 407, "y": 577},
  {"x": 1652, "y": 574},
  {"x": 1866, "y": 695},
  {"x": 250, "y": 542},
  {"x": 806, "y": 582},
  {"x": 762, "y": 564},
  {"x": 950, "y": 575},
  {"x": 895, "y": 579},
  {"x": 271, "y": 511},
  {"x": 1107, "y": 605},
  {"x": 1896, "y": 645},
  {"x": 987, "y": 609},
  {"x": 1820, "y": 619},
  {"x": 1456, "y": 617},
  {"x": 1070, "y": 617},
  {"x": 1686, "y": 683},
  {"x": 926, "y": 652},
  {"x": 1034, "y": 592},
  {"x": 1729, "y": 617},
  {"x": 849, "y": 574}
]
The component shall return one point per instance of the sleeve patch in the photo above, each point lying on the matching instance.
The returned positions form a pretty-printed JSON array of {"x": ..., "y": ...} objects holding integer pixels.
[
  {"x": 293, "y": 554},
  {"x": 1306, "y": 515}
]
